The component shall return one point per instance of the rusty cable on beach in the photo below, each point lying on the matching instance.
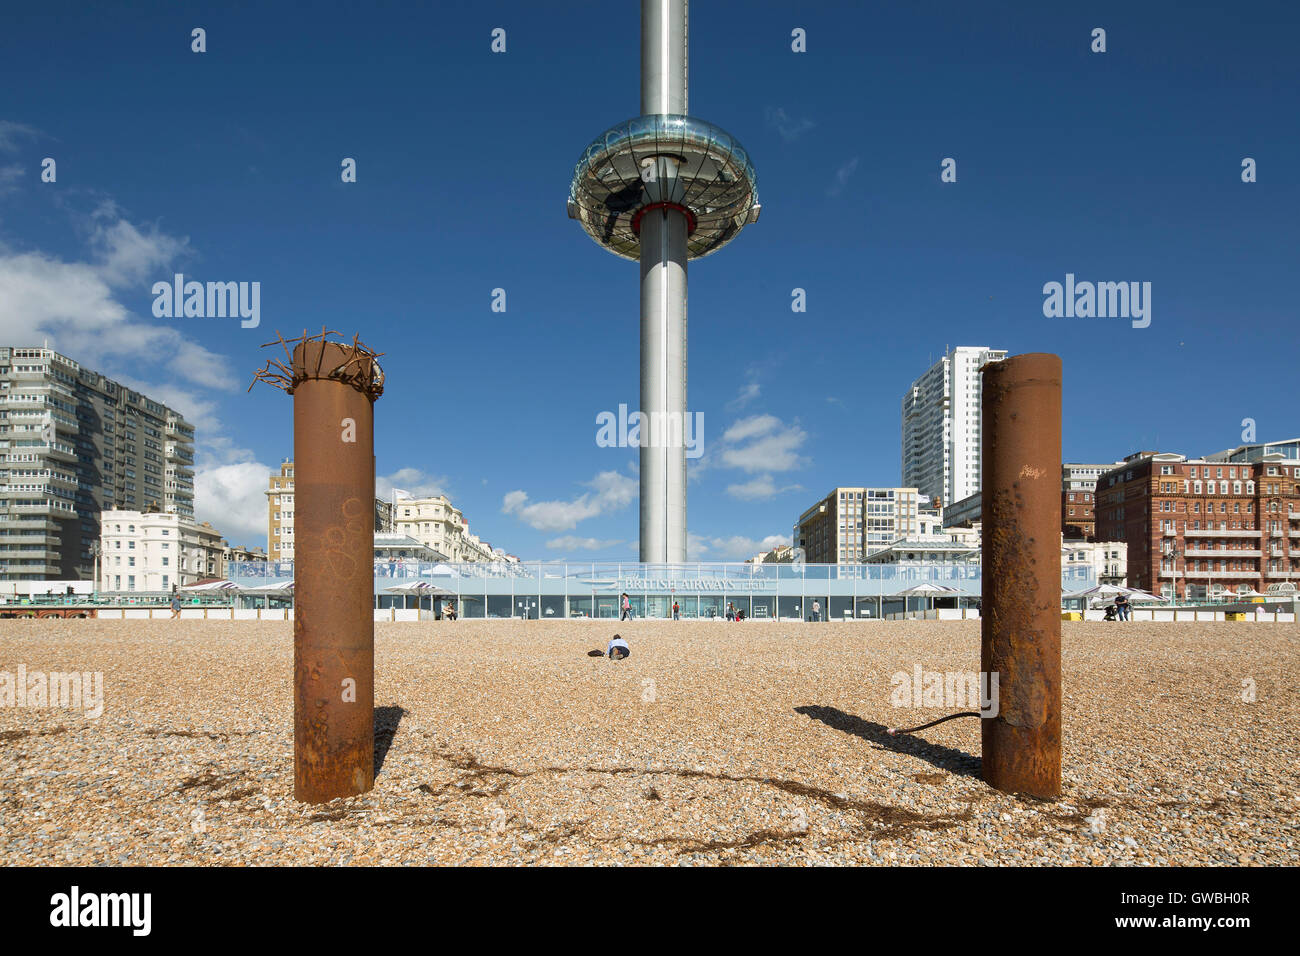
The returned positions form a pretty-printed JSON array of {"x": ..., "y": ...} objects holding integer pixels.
[{"x": 895, "y": 731}]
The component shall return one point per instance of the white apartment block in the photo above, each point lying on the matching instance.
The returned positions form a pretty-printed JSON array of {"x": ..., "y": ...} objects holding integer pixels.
[
  {"x": 155, "y": 551},
  {"x": 1108, "y": 559},
  {"x": 73, "y": 444},
  {"x": 436, "y": 523},
  {"x": 941, "y": 425}
]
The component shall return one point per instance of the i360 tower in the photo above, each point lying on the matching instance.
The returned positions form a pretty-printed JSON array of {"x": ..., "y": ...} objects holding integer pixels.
[{"x": 661, "y": 189}]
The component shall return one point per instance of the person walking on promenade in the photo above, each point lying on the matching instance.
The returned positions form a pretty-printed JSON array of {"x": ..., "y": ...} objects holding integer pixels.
[
  {"x": 176, "y": 606},
  {"x": 677, "y": 612},
  {"x": 626, "y": 613},
  {"x": 817, "y": 611}
]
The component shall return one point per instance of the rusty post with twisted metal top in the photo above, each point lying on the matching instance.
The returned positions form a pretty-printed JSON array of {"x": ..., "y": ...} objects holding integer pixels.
[
  {"x": 334, "y": 386},
  {"x": 1021, "y": 600}
]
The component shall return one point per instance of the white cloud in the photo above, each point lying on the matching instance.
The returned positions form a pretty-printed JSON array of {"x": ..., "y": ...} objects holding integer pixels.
[
  {"x": 233, "y": 498},
  {"x": 763, "y": 443},
  {"x": 787, "y": 126},
  {"x": 127, "y": 254},
  {"x": 842, "y": 176},
  {"x": 418, "y": 483},
  {"x": 746, "y": 395},
  {"x": 569, "y": 542},
  {"x": 9, "y": 177},
  {"x": 759, "y": 489},
  {"x": 611, "y": 491},
  {"x": 11, "y": 133},
  {"x": 74, "y": 305},
  {"x": 734, "y": 548}
]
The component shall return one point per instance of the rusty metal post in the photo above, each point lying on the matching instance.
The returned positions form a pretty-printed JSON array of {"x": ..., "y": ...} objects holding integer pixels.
[
  {"x": 334, "y": 528},
  {"x": 1021, "y": 598},
  {"x": 334, "y": 385}
]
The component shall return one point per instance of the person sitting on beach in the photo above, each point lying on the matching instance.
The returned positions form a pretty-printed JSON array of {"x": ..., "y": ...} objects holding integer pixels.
[{"x": 618, "y": 648}]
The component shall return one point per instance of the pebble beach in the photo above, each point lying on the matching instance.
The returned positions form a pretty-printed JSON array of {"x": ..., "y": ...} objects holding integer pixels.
[{"x": 715, "y": 743}]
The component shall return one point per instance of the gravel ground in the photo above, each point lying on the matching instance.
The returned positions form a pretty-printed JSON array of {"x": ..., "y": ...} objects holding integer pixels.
[{"x": 750, "y": 743}]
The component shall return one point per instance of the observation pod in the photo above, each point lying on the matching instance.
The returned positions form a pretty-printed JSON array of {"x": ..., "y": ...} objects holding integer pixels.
[
  {"x": 710, "y": 180},
  {"x": 663, "y": 188}
]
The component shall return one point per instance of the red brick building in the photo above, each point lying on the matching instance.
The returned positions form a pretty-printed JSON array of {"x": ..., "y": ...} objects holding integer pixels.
[
  {"x": 1078, "y": 487},
  {"x": 1201, "y": 525}
]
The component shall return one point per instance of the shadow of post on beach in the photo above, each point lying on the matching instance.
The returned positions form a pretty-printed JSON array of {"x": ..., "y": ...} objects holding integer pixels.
[
  {"x": 945, "y": 758},
  {"x": 386, "y": 721}
]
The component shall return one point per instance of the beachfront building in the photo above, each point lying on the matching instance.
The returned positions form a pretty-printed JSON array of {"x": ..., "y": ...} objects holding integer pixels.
[
  {"x": 785, "y": 591},
  {"x": 781, "y": 554},
  {"x": 941, "y": 416},
  {"x": 1078, "y": 504},
  {"x": 1107, "y": 559},
  {"x": 74, "y": 443},
  {"x": 850, "y": 522},
  {"x": 280, "y": 509},
  {"x": 236, "y": 552},
  {"x": 930, "y": 545},
  {"x": 964, "y": 513},
  {"x": 154, "y": 551},
  {"x": 1195, "y": 527},
  {"x": 392, "y": 548},
  {"x": 434, "y": 521}
]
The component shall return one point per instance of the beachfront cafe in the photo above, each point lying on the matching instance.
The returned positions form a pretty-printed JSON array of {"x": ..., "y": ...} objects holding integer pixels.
[{"x": 701, "y": 590}]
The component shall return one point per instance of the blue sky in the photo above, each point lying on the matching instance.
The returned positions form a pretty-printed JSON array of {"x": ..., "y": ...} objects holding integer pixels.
[{"x": 225, "y": 165}]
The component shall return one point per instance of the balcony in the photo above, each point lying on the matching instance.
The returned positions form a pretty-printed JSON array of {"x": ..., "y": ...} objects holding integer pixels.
[
  {"x": 42, "y": 509},
  {"x": 61, "y": 452},
  {"x": 1216, "y": 575},
  {"x": 42, "y": 538},
  {"x": 1223, "y": 554},
  {"x": 1227, "y": 533}
]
